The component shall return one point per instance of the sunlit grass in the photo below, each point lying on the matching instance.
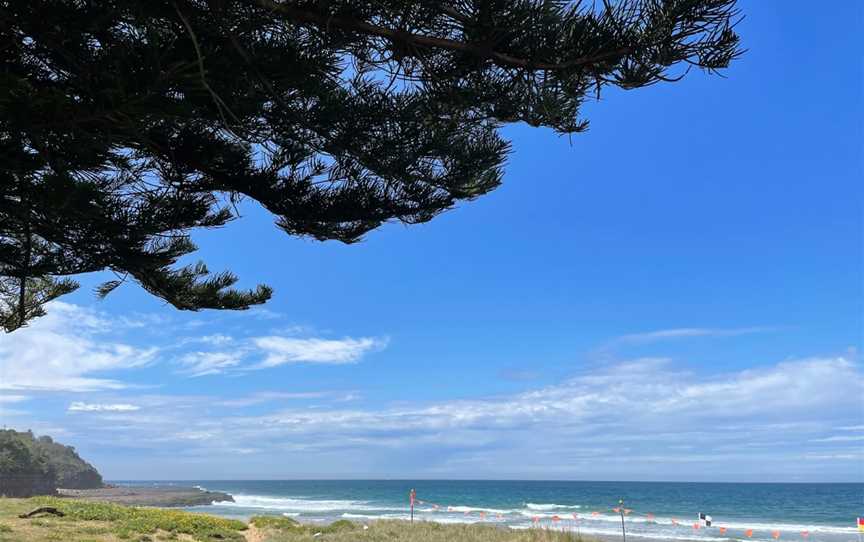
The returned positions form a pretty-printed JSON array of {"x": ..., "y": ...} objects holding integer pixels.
[
  {"x": 87, "y": 521},
  {"x": 95, "y": 521},
  {"x": 286, "y": 530}
]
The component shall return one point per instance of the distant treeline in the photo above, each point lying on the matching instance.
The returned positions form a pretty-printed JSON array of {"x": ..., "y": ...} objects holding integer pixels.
[{"x": 31, "y": 465}]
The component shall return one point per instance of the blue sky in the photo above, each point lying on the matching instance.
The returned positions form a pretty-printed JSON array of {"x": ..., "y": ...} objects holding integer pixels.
[{"x": 674, "y": 295}]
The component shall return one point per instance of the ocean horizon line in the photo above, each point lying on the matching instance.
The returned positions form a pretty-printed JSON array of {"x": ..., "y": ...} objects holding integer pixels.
[{"x": 490, "y": 480}]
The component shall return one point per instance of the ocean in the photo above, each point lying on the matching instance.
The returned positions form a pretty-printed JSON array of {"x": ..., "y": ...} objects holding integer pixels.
[{"x": 658, "y": 510}]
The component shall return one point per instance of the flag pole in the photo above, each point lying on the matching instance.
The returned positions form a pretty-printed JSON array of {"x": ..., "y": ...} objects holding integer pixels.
[
  {"x": 621, "y": 510},
  {"x": 412, "y": 495}
]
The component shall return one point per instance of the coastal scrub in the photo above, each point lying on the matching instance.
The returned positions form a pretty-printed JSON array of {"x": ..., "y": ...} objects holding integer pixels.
[
  {"x": 86, "y": 521},
  {"x": 92, "y": 521}
]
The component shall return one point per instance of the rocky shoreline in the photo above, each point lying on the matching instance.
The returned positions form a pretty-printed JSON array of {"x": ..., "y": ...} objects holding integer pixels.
[{"x": 161, "y": 496}]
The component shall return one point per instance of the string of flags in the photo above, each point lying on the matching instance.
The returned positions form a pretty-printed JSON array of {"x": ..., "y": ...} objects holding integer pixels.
[{"x": 704, "y": 521}]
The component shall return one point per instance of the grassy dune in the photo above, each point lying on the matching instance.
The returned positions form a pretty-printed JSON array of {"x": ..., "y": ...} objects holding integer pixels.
[{"x": 103, "y": 522}]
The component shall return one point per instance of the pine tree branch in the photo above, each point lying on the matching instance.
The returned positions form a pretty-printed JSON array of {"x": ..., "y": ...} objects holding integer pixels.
[
  {"x": 479, "y": 50},
  {"x": 221, "y": 106}
]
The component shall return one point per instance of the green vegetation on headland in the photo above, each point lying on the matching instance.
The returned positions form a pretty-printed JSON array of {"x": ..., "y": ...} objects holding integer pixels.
[
  {"x": 31, "y": 465},
  {"x": 103, "y": 522}
]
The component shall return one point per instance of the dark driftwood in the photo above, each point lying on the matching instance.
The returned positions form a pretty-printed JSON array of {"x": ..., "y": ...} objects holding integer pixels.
[{"x": 42, "y": 510}]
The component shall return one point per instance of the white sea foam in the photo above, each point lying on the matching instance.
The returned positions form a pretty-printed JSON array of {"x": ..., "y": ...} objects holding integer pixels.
[
  {"x": 439, "y": 518},
  {"x": 299, "y": 505},
  {"x": 551, "y": 506},
  {"x": 566, "y": 515},
  {"x": 785, "y": 527},
  {"x": 606, "y": 524},
  {"x": 685, "y": 522},
  {"x": 473, "y": 509}
]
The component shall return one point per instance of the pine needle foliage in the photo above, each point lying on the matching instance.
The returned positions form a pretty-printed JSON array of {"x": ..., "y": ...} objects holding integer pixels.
[{"x": 127, "y": 124}]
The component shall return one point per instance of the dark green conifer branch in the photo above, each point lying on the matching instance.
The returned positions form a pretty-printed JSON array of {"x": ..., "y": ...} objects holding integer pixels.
[{"x": 125, "y": 125}]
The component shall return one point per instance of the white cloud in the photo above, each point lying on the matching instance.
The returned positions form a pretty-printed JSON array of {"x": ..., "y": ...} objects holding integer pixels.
[
  {"x": 647, "y": 410},
  {"x": 270, "y": 396},
  {"x": 282, "y": 350},
  {"x": 62, "y": 350},
  {"x": 79, "y": 406},
  {"x": 6, "y": 398},
  {"x": 687, "y": 332},
  {"x": 275, "y": 351},
  {"x": 852, "y": 427},
  {"x": 217, "y": 339},
  {"x": 840, "y": 438},
  {"x": 236, "y": 355},
  {"x": 210, "y": 363}
]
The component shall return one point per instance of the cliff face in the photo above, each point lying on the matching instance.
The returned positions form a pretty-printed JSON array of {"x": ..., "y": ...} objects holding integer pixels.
[
  {"x": 72, "y": 471},
  {"x": 23, "y": 472},
  {"x": 38, "y": 466}
]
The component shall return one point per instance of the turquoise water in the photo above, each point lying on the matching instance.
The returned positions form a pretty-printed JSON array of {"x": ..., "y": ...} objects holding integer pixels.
[{"x": 826, "y": 511}]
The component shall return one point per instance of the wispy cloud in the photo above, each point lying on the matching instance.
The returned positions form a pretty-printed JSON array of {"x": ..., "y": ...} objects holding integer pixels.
[
  {"x": 79, "y": 406},
  {"x": 270, "y": 351},
  {"x": 841, "y": 438},
  {"x": 262, "y": 397},
  {"x": 72, "y": 347},
  {"x": 210, "y": 363},
  {"x": 62, "y": 350},
  {"x": 217, "y": 339},
  {"x": 650, "y": 410},
  {"x": 689, "y": 332},
  {"x": 282, "y": 350}
]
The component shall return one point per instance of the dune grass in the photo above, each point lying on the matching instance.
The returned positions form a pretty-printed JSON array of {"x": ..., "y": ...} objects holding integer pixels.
[
  {"x": 103, "y": 522},
  {"x": 97, "y": 522},
  {"x": 275, "y": 529}
]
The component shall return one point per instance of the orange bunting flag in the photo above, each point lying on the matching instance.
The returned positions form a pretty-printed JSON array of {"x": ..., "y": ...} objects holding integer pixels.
[
  {"x": 627, "y": 511},
  {"x": 616, "y": 510},
  {"x": 595, "y": 513},
  {"x": 696, "y": 525},
  {"x": 775, "y": 534},
  {"x": 805, "y": 534},
  {"x": 482, "y": 515},
  {"x": 749, "y": 533},
  {"x": 556, "y": 518},
  {"x": 722, "y": 530},
  {"x": 650, "y": 516}
]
